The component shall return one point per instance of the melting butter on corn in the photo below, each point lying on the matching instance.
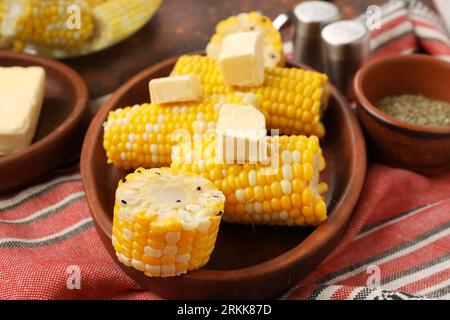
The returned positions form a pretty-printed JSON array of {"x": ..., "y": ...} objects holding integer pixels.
[
  {"x": 175, "y": 89},
  {"x": 292, "y": 99},
  {"x": 241, "y": 132},
  {"x": 245, "y": 22},
  {"x": 143, "y": 135},
  {"x": 287, "y": 191},
  {"x": 241, "y": 59}
]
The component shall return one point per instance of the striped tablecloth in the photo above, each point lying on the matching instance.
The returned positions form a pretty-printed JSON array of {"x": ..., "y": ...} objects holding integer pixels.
[
  {"x": 400, "y": 231},
  {"x": 397, "y": 245}
]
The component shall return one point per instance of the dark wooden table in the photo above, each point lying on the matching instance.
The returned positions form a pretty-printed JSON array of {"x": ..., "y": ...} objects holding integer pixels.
[{"x": 180, "y": 26}]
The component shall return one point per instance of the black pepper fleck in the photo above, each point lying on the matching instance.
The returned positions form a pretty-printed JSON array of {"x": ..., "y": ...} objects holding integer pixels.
[
  {"x": 123, "y": 201},
  {"x": 220, "y": 213},
  {"x": 178, "y": 200},
  {"x": 124, "y": 180},
  {"x": 199, "y": 188},
  {"x": 158, "y": 173}
]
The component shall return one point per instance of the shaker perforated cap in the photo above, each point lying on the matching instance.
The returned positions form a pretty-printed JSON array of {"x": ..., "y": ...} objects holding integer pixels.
[
  {"x": 314, "y": 15},
  {"x": 344, "y": 38}
]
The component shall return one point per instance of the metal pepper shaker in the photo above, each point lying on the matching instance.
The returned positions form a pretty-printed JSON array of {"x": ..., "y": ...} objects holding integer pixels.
[
  {"x": 345, "y": 47},
  {"x": 310, "y": 17}
]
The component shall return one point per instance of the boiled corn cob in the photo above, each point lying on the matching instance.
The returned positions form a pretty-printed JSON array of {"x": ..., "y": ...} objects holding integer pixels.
[
  {"x": 117, "y": 19},
  {"x": 285, "y": 191},
  {"x": 251, "y": 21},
  {"x": 293, "y": 99},
  {"x": 44, "y": 23},
  {"x": 94, "y": 3},
  {"x": 166, "y": 221},
  {"x": 142, "y": 135}
]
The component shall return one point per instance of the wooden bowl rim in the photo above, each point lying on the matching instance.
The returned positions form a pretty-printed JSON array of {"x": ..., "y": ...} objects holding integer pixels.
[
  {"x": 81, "y": 103},
  {"x": 341, "y": 212},
  {"x": 383, "y": 117}
]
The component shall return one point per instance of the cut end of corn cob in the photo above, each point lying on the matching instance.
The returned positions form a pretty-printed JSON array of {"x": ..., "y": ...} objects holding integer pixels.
[
  {"x": 285, "y": 191},
  {"x": 46, "y": 23},
  {"x": 251, "y": 21},
  {"x": 142, "y": 135},
  {"x": 293, "y": 99},
  {"x": 166, "y": 221}
]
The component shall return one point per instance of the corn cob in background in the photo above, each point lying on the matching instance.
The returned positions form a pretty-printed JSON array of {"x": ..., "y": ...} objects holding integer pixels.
[
  {"x": 251, "y": 21},
  {"x": 293, "y": 99},
  {"x": 41, "y": 26},
  {"x": 166, "y": 221},
  {"x": 141, "y": 136},
  {"x": 44, "y": 23},
  {"x": 3, "y": 42},
  {"x": 286, "y": 191},
  {"x": 2, "y": 9},
  {"x": 117, "y": 19},
  {"x": 94, "y": 3}
]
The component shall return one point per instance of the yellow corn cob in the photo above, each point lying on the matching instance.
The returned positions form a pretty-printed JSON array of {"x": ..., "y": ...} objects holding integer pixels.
[
  {"x": 45, "y": 22},
  {"x": 117, "y": 19},
  {"x": 251, "y": 21},
  {"x": 284, "y": 192},
  {"x": 166, "y": 221},
  {"x": 142, "y": 136},
  {"x": 292, "y": 98},
  {"x": 94, "y": 3}
]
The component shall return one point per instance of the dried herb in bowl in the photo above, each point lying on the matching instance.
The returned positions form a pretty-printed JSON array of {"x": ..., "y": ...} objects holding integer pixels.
[{"x": 417, "y": 109}]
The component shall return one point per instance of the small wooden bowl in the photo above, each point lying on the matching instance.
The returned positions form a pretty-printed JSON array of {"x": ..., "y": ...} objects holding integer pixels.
[
  {"x": 398, "y": 143},
  {"x": 247, "y": 262},
  {"x": 63, "y": 120}
]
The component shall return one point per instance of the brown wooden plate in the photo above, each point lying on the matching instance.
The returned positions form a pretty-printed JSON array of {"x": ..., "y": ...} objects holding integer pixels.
[
  {"x": 248, "y": 262},
  {"x": 63, "y": 120}
]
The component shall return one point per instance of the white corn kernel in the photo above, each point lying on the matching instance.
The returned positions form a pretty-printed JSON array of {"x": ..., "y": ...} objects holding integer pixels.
[
  {"x": 151, "y": 252},
  {"x": 287, "y": 172},
  {"x": 240, "y": 195},
  {"x": 139, "y": 265},
  {"x": 172, "y": 236},
  {"x": 286, "y": 187},
  {"x": 183, "y": 258},
  {"x": 170, "y": 250}
]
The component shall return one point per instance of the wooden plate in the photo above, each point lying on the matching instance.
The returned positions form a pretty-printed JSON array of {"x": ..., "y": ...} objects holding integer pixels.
[
  {"x": 248, "y": 262},
  {"x": 62, "y": 122}
]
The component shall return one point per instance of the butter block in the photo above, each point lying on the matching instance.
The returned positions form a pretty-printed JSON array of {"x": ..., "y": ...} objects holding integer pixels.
[
  {"x": 21, "y": 96},
  {"x": 241, "y": 59},
  {"x": 175, "y": 89},
  {"x": 241, "y": 135}
]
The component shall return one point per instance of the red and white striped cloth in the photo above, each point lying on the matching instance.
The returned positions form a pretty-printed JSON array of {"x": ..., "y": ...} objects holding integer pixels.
[
  {"x": 400, "y": 228},
  {"x": 409, "y": 26}
]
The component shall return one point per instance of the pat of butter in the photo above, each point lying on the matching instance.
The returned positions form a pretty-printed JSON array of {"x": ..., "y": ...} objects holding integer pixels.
[
  {"x": 241, "y": 135},
  {"x": 241, "y": 59},
  {"x": 175, "y": 89},
  {"x": 21, "y": 96}
]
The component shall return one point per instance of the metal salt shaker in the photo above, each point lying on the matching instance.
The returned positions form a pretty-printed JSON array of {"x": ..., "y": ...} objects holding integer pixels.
[
  {"x": 310, "y": 17},
  {"x": 345, "y": 47}
]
